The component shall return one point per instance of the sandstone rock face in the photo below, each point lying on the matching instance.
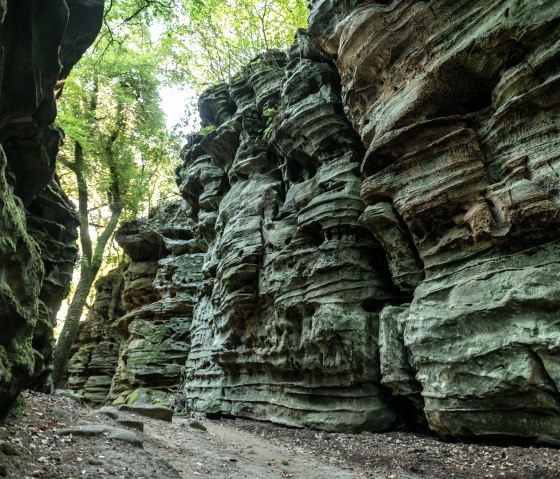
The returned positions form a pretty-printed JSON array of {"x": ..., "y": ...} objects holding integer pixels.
[
  {"x": 458, "y": 105},
  {"x": 52, "y": 223},
  {"x": 21, "y": 274},
  {"x": 40, "y": 43},
  {"x": 369, "y": 232},
  {"x": 96, "y": 350},
  {"x": 160, "y": 290},
  {"x": 287, "y": 321}
]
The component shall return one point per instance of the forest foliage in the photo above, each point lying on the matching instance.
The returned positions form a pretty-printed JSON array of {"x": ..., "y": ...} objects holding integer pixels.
[
  {"x": 145, "y": 45},
  {"x": 216, "y": 38}
]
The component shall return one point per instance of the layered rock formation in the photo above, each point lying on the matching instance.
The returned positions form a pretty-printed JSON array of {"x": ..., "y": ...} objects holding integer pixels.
[
  {"x": 52, "y": 223},
  {"x": 160, "y": 289},
  {"x": 369, "y": 232},
  {"x": 96, "y": 350},
  {"x": 40, "y": 43},
  {"x": 287, "y": 321},
  {"x": 457, "y": 104}
]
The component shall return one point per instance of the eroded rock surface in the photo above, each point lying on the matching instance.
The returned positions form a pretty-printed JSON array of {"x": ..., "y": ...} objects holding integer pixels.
[
  {"x": 287, "y": 321},
  {"x": 369, "y": 232},
  {"x": 96, "y": 350},
  {"x": 40, "y": 43},
  {"x": 457, "y": 104},
  {"x": 52, "y": 223},
  {"x": 160, "y": 290}
]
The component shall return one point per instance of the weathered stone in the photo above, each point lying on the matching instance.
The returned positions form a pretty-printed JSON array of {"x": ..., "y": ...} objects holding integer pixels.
[
  {"x": 139, "y": 278},
  {"x": 419, "y": 169},
  {"x": 21, "y": 274},
  {"x": 457, "y": 104},
  {"x": 147, "y": 239},
  {"x": 161, "y": 286},
  {"x": 286, "y": 326},
  {"x": 397, "y": 368},
  {"x": 52, "y": 223},
  {"x": 155, "y": 412},
  {"x": 95, "y": 352},
  {"x": 40, "y": 43},
  {"x": 112, "y": 432}
]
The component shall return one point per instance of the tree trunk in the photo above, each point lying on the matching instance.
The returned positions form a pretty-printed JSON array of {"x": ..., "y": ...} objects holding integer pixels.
[
  {"x": 91, "y": 257},
  {"x": 72, "y": 323}
]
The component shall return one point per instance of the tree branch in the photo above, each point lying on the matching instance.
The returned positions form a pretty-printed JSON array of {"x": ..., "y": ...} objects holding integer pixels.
[{"x": 85, "y": 238}]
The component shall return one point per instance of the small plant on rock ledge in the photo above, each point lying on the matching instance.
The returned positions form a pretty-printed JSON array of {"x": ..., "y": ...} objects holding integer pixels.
[
  {"x": 269, "y": 114},
  {"x": 207, "y": 129}
]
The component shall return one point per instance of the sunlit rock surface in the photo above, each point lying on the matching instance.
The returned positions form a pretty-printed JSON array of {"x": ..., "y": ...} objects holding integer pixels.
[
  {"x": 458, "y": 106},
  {"x": 160, "y": 290},
  {"x": 40, "y": 41}
]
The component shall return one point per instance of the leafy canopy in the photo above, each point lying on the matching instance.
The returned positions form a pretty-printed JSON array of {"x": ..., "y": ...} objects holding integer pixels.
[
  {"x": 112, "y": 108},
  {"x": 111, "y": 103},
  {"x": 211, "y": 40}
]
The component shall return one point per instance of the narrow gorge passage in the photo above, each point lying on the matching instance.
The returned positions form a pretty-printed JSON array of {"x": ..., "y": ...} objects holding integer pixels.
[{"x": 279, "y": 238}]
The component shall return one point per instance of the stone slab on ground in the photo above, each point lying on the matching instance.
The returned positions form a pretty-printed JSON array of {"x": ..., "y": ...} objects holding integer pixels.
[
  {"x": 155, "y": 412},
  {"x": 112, "y": 432}
]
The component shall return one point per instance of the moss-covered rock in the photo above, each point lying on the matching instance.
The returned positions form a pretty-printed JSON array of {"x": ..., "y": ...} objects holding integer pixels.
[
  {"x": 21, "y": 276},
  {"x": 40, "y": 43}
]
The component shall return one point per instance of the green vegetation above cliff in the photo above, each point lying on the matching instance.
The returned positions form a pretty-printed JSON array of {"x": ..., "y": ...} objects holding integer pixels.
[{"x": 220, "y": 36}]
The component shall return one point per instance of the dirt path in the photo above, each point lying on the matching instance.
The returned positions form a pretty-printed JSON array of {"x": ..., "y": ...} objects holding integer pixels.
[
  {"x": 30, "y": 447},
  {"x": 225, "y": 452}
]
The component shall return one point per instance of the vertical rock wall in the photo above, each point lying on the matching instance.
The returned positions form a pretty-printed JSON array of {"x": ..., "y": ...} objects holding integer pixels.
[
  {"x": 287, "y": 321},
  {"x": 458, "y": 106},
  {"x": 369, "y": 221},
  {"x": 40, "y": 43},
  {"x": 160, "y": 289}
]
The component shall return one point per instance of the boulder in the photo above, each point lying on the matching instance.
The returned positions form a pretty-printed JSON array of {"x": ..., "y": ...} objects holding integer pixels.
[{"x": 161, "y": 413}]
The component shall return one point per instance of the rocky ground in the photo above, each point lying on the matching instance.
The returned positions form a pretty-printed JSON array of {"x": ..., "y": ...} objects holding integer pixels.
[{"x": 31, "y": 446}]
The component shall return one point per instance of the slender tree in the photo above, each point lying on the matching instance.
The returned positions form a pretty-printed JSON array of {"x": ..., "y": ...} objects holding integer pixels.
[
  {"x": 115, "y": 162},
  {"x": 91, "y": 257},
  {"x": 116, "y": 155}
]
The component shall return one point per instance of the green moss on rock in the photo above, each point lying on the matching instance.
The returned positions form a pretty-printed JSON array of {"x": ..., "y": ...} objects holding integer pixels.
[{"x": 21, "y": 276}]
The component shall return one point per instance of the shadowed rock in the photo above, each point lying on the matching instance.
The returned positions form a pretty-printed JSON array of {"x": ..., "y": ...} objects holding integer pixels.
[{"x": 40, "y": 43}]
